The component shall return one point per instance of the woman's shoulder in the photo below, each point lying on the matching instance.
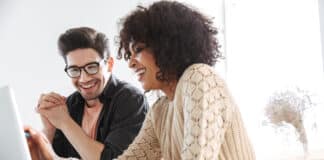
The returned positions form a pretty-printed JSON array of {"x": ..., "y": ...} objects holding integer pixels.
[
  {"x": 202, "y": 81},
  {"x": 198, "y": 68},
  {"x": 196, "y": 73}
]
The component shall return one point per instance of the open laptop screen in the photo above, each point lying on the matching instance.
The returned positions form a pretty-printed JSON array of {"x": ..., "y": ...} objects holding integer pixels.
[{"x": 13, "y": 143}]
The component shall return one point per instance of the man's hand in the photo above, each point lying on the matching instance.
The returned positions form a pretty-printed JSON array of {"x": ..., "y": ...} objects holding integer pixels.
[
  {"x": 49, "y": 100},
  {"x": 56, "y": 112},
  {"x": 39, "y": 146},
  {"x": 53, "y": 110}
]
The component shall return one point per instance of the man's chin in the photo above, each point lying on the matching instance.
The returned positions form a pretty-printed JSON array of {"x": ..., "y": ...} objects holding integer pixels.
[{"x": 89, "y": 97}]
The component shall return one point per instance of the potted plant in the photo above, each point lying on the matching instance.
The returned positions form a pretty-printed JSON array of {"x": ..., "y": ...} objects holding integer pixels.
[{"x": 288, "y": 108}]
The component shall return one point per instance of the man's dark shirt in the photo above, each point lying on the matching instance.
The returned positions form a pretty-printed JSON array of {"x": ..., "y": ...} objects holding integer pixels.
[{"x": 122, "y": 115}]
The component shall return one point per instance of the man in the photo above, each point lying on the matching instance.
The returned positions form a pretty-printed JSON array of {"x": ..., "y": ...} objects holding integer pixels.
[{"x": 102, "y": 117}]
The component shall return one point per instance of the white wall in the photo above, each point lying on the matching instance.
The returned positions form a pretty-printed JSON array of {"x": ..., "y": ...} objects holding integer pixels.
[{"x": 321, "y": 16}]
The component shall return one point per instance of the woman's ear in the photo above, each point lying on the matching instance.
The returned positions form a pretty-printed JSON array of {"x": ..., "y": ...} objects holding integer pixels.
[{"x": 110, "y": 64}]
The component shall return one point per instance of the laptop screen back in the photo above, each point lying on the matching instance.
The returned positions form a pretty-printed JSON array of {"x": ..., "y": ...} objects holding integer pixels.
[{"x": 13, "y": 143}]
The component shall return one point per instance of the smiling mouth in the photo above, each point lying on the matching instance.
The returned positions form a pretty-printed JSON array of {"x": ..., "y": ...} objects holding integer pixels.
[
  {"x": 88, "y": 85},
  {"x": 140, "y": 72}
]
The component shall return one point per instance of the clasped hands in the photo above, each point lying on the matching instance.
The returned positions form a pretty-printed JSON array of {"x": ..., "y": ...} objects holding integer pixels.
[{"x": 53, "y": 110}]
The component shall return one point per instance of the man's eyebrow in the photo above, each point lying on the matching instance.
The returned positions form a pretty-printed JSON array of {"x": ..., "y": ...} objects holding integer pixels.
[{"x": 69, "y": 66}]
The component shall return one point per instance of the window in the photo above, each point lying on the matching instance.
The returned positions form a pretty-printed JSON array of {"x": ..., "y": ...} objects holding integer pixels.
[{"x": 270, "y": 46}]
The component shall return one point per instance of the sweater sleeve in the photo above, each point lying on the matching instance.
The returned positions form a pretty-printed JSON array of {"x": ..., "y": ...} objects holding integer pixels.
[
  {"x": 206, "y": 114},
  {"x": 146, "y": 145}
]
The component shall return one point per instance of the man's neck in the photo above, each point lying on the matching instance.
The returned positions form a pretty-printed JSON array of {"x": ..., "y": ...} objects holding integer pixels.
[{"x": 92, "y": 103}]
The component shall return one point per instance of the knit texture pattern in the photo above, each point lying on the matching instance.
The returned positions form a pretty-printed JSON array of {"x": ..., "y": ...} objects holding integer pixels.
[{"x": 201, "y": 123}]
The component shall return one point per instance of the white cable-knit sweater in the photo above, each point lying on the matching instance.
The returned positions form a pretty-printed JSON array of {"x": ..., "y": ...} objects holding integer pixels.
[{"x": 201, "y": 123}]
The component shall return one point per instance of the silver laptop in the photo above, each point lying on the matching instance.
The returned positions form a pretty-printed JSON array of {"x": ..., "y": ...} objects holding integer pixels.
[{"x": 12, "y": 138}]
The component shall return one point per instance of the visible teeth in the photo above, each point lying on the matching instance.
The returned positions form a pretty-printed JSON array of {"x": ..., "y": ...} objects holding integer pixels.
[
  {"x": 87, "y": 86},
  {"x": 141, "y": 71}
]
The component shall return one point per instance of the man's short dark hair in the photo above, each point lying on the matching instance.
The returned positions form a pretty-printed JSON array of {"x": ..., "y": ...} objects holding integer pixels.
[
  {"x": 178, "y": 35},
  {"x": 82, "y": 38}
]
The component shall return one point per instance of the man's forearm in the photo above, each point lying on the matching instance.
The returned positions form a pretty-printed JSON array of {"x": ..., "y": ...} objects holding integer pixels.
[
  {"x": 88, "y": 148},
  {"x": 49, "y": 134}
]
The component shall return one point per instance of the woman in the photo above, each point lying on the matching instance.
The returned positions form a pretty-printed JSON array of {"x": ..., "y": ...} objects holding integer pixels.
[{"x": 172, "y": 47}]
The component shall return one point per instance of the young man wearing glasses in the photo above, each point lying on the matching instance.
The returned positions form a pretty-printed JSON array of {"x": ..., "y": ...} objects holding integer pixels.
[{"x": 101, "y": 118}]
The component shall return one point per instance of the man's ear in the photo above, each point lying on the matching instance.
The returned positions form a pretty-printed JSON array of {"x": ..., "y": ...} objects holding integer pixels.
[{"x": 110, "y": 64}]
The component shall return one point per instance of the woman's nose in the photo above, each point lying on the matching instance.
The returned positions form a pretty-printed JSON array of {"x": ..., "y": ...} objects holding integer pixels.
[{"x": 131, "y": 63}]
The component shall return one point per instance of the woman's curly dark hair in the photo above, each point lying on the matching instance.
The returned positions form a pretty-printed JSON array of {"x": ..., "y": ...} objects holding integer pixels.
[{"x": 178, "y": 35}]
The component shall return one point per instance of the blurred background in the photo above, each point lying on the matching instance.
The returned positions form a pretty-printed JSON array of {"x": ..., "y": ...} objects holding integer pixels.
[{"x": 269, "y": 45}]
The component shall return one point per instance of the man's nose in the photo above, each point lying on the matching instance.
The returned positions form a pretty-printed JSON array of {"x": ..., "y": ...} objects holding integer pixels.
[{"x": 84, "y": 76}]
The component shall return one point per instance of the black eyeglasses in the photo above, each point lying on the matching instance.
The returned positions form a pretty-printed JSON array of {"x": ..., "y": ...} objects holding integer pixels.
[{"x": 75, "y": 71}]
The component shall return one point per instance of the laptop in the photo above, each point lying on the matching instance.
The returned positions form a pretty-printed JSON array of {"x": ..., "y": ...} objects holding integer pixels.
[{"x": 12, "y": 137}]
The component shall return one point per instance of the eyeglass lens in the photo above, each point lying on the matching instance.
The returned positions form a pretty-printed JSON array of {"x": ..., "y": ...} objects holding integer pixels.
[{"x": 91, "y": 68}]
